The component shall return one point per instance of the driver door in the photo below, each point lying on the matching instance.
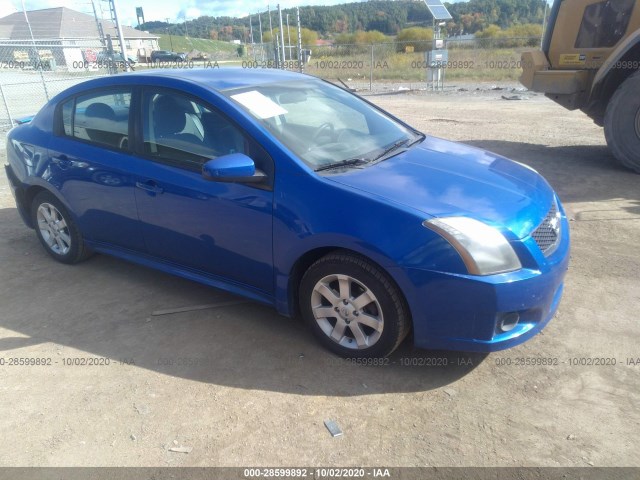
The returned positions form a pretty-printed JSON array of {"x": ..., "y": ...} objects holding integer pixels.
[{"x": 219, "y": 229}]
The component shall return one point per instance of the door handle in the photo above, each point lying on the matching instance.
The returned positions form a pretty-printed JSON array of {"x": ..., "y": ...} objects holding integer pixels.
[{"x": 150, "y": 187}]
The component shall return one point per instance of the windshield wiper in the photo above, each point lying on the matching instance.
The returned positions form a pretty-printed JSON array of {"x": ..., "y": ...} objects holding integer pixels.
[
  {"x": 392, "y": 148},
  {"x": 399, "y": 144},
  {"x": 420, "y": 137},
  {"x": 343, "y": 163}
]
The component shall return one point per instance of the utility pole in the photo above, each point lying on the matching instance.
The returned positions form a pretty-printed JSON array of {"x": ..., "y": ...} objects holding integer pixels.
[
  {"x": 288, "y": 37},
  {"x": 169, "y": 32},
  {"x": 284, "y": 57},
  {"x": 299, "y": 40},
  {"x": 261, "y": 40},
  {"x": 253, "y": 49},
  {"x": 273, "y": 40}
]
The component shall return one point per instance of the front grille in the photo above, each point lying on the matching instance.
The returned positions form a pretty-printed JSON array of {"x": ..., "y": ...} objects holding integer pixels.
[{"x": 547, "y": 235}]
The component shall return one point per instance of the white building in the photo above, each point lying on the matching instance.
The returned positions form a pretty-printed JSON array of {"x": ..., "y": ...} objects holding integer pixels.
[{"x": 67, "y": 37}]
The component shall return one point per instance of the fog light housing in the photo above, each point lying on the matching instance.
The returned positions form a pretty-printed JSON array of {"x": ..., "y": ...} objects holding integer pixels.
[{"x": 505, "y": 322}]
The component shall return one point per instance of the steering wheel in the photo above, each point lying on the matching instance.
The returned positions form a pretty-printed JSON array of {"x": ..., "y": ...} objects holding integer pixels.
[{"x": 324, "y": 129}]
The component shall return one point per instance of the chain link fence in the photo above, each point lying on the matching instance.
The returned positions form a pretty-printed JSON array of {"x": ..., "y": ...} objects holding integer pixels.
[
  {"x": 33, "y": 72},
  {"x": 416, "y": 63}
]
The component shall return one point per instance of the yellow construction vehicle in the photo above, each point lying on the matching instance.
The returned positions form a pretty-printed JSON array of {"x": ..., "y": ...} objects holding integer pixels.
[{"x": 590, "y": 60}]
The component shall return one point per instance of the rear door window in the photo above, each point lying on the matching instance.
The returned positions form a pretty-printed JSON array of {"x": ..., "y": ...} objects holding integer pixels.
[{"x": 100, "y": 118}]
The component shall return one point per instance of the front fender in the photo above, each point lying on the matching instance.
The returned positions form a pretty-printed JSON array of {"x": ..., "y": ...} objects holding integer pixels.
[
  {"x": 313, "y": 247},
  {"x": 310, "y": 210}
]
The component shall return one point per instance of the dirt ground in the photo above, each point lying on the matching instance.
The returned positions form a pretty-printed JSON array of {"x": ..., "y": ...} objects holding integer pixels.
[{"x": 241, "y": 386}]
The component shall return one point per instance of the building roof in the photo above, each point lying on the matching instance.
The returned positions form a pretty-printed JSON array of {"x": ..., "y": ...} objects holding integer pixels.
[{"x": 60, "y": 23}]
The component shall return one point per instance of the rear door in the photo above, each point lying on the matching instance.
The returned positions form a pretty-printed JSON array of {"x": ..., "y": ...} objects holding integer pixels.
[{"x": 92, "y": 165}]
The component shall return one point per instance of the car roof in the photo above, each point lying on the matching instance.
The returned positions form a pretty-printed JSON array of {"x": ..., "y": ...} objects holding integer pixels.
[{"x": 217, "y": 79}]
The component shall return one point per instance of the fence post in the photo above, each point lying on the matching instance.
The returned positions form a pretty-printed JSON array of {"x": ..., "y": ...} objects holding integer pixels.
[
  {"x": 371, "y": 71},
  {"x": 6, "y": 105}
]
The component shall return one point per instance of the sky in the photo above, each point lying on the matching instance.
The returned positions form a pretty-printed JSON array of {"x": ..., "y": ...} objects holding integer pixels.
[{"x": 162, "y": 9}]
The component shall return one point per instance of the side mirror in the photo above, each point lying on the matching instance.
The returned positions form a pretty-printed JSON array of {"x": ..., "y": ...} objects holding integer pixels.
[{"x": 235, "y": 167}]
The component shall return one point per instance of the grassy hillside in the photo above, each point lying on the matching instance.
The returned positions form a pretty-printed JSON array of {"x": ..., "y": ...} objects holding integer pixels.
[{"x": 214, "y": 48}]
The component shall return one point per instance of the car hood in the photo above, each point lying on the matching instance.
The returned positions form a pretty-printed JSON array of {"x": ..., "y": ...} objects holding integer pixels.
[{"x": 442, "y": 178}]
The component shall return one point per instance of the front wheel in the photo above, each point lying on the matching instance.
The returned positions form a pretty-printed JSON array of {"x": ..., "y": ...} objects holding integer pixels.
[
  {"x": 622, "y": 123},
  {"x": 352, "y": 307}
]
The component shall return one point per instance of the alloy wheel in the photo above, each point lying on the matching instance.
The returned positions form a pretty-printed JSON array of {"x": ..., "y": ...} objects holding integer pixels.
[
  {"x": 347, "y": 311},
  {"x": 53, "y": 229}
]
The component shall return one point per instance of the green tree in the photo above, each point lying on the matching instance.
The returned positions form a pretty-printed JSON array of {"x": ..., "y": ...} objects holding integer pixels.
[
  {"x": 515, "y": 36},
  {"x": 361, "y": 38},
  {"x": 492, "y": 31},
  {"x": 417, "y": 37},
  {"x": 309, "y": 37},
  {"x": 384, "y": 16}
]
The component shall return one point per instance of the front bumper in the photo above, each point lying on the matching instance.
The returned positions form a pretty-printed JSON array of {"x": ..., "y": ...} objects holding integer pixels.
[
  {"x": 565, "y": 86},
  {"x": 463, "y": 312}
]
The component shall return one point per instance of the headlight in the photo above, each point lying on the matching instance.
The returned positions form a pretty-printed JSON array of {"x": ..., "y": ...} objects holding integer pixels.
[{"x": 483, "y": 249}]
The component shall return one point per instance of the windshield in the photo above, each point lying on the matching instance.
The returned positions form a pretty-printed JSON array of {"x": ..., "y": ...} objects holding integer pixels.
[{"x": 323, "y": 124}]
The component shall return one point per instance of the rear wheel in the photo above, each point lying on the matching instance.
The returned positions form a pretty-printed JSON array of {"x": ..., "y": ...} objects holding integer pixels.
[
  {"x": 56, "y": 230},
  {"x": 352, "y": 307},
  {"x": 622, "y": 123}
]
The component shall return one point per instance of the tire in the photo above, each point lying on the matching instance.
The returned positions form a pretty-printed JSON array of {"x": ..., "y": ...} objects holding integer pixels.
[
  {"x": 352, "y": 307},
  {"x": 56, "y": 229},
  {"x": 622, "y": 123}
]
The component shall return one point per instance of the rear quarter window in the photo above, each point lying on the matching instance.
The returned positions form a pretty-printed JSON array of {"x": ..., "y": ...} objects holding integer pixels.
[{"x": 67, "y": 117}]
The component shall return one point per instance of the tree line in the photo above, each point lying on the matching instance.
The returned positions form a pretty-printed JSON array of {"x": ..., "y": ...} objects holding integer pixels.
[{"x": 386, "y": 17}]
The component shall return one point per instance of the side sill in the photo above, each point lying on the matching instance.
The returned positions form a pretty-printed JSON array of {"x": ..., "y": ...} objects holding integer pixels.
[{"x": 188, "y": 273}]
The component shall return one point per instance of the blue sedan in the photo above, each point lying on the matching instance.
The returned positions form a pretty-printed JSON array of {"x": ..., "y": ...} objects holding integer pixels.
[{"x": 295, "y": 193}]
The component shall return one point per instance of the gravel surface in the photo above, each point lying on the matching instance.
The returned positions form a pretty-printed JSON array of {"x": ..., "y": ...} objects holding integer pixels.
[{"x": 239, "y": 385}]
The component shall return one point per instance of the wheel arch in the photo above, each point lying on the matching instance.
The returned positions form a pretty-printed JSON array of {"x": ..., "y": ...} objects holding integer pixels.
[
  {"x": 29, "y": 195},
  {"x": 32, "y": 190},
  {"x": 75, "y": 250},
  {"x": 302, "y": 264},
  {"x": 609, "y": 78}
]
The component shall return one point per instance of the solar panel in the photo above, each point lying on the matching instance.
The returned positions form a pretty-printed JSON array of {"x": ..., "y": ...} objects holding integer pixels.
[{"x": 438, "y": 10}]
